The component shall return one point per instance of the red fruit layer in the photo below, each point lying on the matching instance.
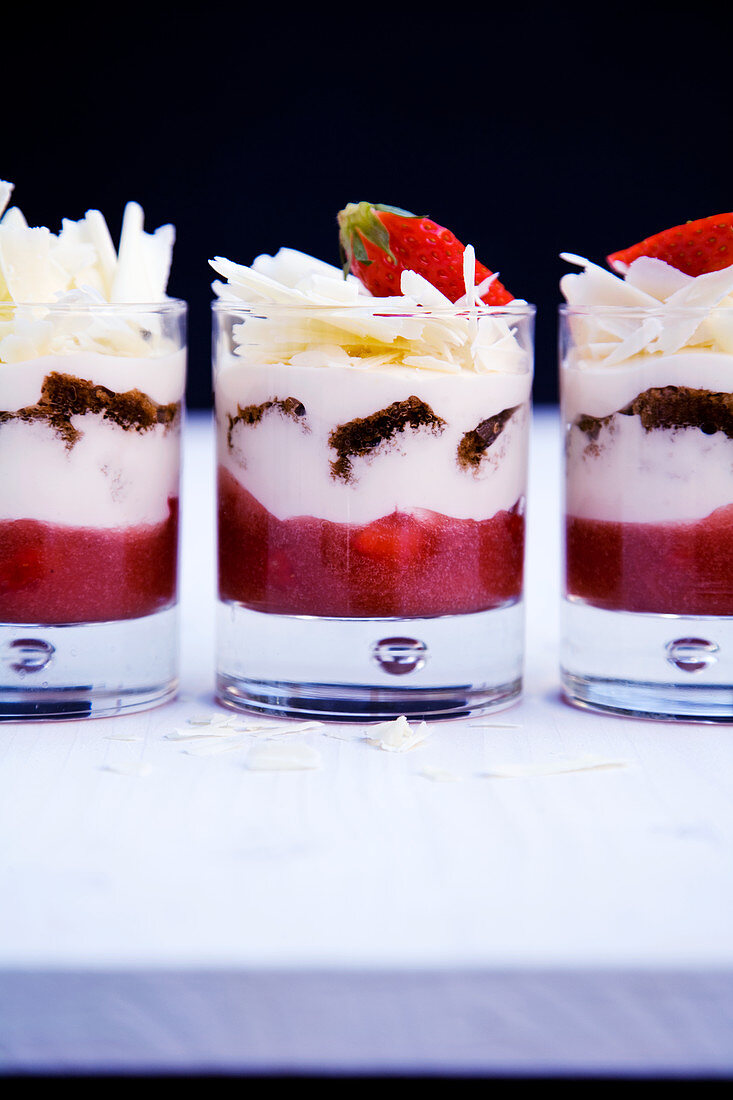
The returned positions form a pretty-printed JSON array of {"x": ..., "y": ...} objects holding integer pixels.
[
  {"x": 401, "y": 565},
  {"x": 663, "y": 568},
  {"x": 51, "y": 574}
]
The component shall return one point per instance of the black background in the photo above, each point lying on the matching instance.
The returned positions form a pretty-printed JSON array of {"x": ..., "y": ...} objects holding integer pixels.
[{"x": 530, "y": 131}]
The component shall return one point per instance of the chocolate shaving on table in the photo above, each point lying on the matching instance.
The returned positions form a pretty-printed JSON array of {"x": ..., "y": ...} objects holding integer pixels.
[
  {"x": 474, "y": 444},
  {"x": 64, "y": 396},
  {"x": 253, "y": 414},
  {"x": 670, "y": 407},
  {"x": 361, "y": 436}
]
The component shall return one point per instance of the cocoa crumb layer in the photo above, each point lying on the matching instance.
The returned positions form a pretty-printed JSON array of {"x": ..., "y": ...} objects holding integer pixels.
[
  {"x": 669, "y": 407},
  {"x": 252, "y": 414},
  {"x": 64, "y": 396},
  {"x": 474, "y": 444},
  {"x": 361, "y": 436}
]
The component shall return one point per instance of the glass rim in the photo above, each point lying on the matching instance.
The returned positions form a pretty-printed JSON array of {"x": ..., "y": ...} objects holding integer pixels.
[
  {"x": 167, "y": 305},
  {"x": 663, "y": 309},
  {"x": 260, "y": 309}
]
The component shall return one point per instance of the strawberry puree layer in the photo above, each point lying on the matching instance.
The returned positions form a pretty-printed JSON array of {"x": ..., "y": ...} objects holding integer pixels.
[
  {"x": 51, "y": 574},
  {"x": 664, "y": 568},
  {"x": 407, "y": 565}
]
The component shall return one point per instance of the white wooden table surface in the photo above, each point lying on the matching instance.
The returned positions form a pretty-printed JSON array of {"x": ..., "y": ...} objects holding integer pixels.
[{"x": 167, "y": 909}]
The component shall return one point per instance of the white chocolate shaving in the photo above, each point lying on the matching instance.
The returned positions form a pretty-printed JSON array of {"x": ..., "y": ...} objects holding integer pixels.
[
  {"x": 438, "y": 775},
  {"x": 397, "y": 735},
  {"x": 6, "y": 190},
  {"x": 550, "y": 767},
  {"x": 78, "y": 267}
]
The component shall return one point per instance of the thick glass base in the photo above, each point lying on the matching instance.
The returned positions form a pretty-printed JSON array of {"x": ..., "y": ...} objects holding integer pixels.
[
  {"x": 92, "y": 670},
  {"x": 672, "y": 667},
  {"x": 369, "y": 669}
]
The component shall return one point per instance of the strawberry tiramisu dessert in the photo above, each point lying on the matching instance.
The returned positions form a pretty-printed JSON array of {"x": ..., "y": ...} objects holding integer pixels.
[
  {"x": 647, "y": 399},
  {"x": 647, "y": 382},
  {"x": 92, "y": 372},
  {"x": 372, "y": 427}
]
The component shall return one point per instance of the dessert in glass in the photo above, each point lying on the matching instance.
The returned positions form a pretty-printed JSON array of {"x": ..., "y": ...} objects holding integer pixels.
[
  {"x": 372, "y": 455},
  {"x": 646, "y": 368},
  {"x": 92, "y": 375}
]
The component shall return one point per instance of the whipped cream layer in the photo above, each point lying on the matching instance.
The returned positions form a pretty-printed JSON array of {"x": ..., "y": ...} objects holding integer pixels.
[
  {"x": 287, "y": 463},
  {"x": 630, "y": 475},
  {"x": 111, "y": 476},
  {"x": 647, "y": 328},
  {"x": 592, "y": 389}
]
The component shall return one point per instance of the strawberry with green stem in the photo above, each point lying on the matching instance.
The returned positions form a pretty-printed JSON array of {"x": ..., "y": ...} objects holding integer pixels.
[{"x": 378, "y": 243}]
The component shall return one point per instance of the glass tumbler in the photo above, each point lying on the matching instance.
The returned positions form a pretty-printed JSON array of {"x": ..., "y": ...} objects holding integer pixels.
[
  {"x": 647, "y": 620},
  {"x": 91, "y": 401},
  {"x": 371, "y": 510}
]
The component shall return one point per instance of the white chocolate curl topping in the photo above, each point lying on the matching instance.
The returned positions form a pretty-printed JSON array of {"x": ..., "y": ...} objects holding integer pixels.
[
  {"x": 649, "y": 307},
  {"x": 77, "y": 267},
  {"x": 421, "y": 328}
]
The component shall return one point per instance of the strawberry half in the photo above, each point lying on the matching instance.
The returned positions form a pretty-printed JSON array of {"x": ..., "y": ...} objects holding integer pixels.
[
  {"x": 378, "y": 243},
  {"x": 394, "y": 538},
  {"x": 695, "y": 247}
]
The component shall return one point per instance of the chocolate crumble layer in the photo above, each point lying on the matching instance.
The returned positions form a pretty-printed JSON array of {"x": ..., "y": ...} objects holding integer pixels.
[
  {"x": 474, "y": 444},
  {"x": 669, "y": 407},
  {"x": 64, "y": 396},
  {"x": 361, "y": 436},
  {"x": 253, "y": 414}
]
